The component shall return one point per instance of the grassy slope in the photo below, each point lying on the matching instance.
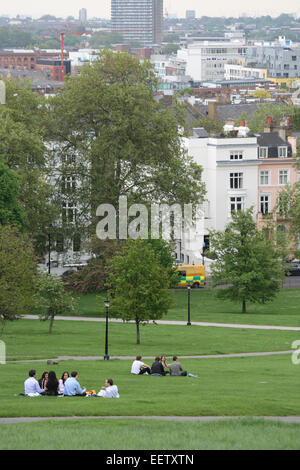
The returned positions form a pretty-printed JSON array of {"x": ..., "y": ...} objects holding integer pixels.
[
  {"x": 256, "y": 386},
  {"x": 141, "y": 434},
  {"x": 284, "y": 310},
  {"x": 29, "y": 339}
]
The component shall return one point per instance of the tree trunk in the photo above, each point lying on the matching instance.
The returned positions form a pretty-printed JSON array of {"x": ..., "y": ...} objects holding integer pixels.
[
  {"x": 244, "y": 306},
  {"x": 137, "y": 332},
  {"x": 51, "y": 324}
]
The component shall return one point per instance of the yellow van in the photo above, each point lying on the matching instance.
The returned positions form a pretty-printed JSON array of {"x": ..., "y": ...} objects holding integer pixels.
[{"x": 192, "y": 275}]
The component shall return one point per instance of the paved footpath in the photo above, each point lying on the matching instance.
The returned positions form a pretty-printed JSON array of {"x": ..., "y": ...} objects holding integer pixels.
[
  {"x": 287, "y": 419},
  {"x": 204, "y": 356},
  {"x": 170, "y": 322}
]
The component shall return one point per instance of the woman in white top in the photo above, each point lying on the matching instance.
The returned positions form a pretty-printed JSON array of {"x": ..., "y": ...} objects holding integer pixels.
[{"x": 61, "y": 387}]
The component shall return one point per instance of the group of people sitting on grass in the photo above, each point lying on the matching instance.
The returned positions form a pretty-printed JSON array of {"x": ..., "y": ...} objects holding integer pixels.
[
  {"x": 66, "y": 386},
  {"x": 158, "y": 367}
]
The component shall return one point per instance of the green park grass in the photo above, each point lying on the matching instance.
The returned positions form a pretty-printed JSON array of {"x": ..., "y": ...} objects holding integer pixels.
[
  {"x": 29, "y": 339},
  {"x": 205, "y": 306},
  {"x": 249, "y": 386},
  {"x": 133, "y": 434}
]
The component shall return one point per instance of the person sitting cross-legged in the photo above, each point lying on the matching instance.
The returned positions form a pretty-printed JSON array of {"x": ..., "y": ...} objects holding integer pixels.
[
  {"x": 31, "y": 385},
  {"x": 175, "y": 368},
  {"x": 72, "y": 387},
  {"x": 157, "y": 367},
  {"x": 138, "y": 367}
]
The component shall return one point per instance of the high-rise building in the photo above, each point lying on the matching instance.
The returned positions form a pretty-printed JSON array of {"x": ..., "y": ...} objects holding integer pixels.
[
  {"x": 83, "y": 15},
  {"x": 190, "y": 14},
  {"x": 138, "y": 20}
]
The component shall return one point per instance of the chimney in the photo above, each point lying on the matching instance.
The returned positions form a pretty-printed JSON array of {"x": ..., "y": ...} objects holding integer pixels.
[
  {"x": 212, "y": 110},
  {"x": 269, "y": 124}
]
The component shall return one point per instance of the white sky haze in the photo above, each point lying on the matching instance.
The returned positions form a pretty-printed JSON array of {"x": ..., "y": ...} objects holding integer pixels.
[{"x": 101, "y": 8}]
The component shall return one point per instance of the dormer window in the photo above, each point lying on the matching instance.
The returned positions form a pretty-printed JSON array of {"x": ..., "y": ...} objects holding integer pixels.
[
  {"x": 263, "y": 152},
  {"x": 282, "y": 152}
]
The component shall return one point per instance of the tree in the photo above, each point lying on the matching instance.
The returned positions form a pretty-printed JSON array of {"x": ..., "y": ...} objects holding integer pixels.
[
  {"x": 17, "y": 273},
  {"x": 122, "y": 140},
  {"x": 93, "y": 276},
  {"x": 52, "y": 299},
  {"x": 170, "y": 48},
  {"x": 11, "y": 212},
  {"x": 262, "y": 93},
  {"x": 138, "y": 285},
  {"x": 247, "y": 260},
  {"x": 23, "y": 124},
  {"x": 289, "y": 208},
  {"x": 256, "y": 122}
]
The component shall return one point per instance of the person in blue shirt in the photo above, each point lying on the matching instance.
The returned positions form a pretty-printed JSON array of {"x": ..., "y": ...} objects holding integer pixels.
[{"x": 72, "y": 386}]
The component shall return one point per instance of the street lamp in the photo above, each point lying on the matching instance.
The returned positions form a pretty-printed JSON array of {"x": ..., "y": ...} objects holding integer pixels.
[
  {"x": 49, "y": 249},
  {"x": 106, "y": 303},
  {"x": 203, "y": 249},
  {"x": 189, "y": 306}
]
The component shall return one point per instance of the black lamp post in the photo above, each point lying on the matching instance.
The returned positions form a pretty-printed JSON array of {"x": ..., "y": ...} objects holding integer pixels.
[
  {"x": 106, "y": 303},
  {"x": 203, "y": 249},
  {"x": 189, "y": 306},
  {"x": 49, "y": 249}
]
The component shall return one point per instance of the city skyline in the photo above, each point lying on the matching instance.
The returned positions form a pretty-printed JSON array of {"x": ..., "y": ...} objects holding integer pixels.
[{"x": 233, "y": 8}]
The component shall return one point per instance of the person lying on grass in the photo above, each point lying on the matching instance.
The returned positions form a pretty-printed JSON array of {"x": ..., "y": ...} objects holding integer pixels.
[{"x": 109, "y": 391}]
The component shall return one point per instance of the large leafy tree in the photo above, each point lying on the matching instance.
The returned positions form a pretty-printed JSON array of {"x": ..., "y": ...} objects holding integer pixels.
[
  {"x": 246, "y": 259},
  {"x": 138, "y": 285},
  {"x": 118, "y": 140},
  {"x": 17, "y": 273},
  {"x": 23, "y": 130},
  {"x": 11, "y": 212}
]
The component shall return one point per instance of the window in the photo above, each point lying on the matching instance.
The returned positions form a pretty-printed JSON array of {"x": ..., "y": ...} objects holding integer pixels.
[
  {"x": 264, "y": 204},
  {"x": 69, "y": 212},
  {"x": 264, "y": 177},
  {"x": 68, "y": 183},
  {"x": 236, "y": 204},
  {"x": 69, "y": 159},
  {"x": 76, "y": 242},
  {"x": 236, "y": 155},
  {"x": 236, "y": 180},
  {"x": 59, "y": 243},
  {"x": 283, "y": 176},
  {"x": 263, "y": 152},
  {"x": 282, "y": 152}
]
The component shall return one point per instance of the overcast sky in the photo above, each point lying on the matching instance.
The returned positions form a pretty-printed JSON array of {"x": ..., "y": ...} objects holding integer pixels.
[{"x": 101, "y": 8}]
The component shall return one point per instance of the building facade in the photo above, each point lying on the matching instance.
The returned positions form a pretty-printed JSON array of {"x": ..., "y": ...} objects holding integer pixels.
[
  {"x": 239, "y": 172},
  {"x": 138, "y": 20},
  {"x": 83, "y": 15},
  {"x": 206, "y": 60},
  {"x": 280, "y": 58}
]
